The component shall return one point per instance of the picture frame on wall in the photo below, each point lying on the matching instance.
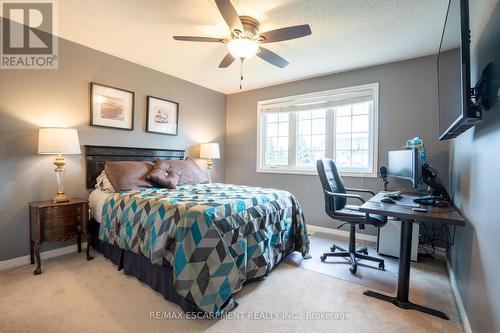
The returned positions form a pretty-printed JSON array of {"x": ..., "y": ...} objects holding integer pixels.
[
  {"x": 111, "y": 107},
  {"x": 162, "y": 116}
]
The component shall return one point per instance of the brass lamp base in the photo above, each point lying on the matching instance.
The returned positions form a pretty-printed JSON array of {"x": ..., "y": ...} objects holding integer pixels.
[
  {"x": 209, "y": 167},
  {"x": 60, "y": 197}
]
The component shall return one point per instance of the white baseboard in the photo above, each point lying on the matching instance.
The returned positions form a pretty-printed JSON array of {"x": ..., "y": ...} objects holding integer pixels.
[
  {"x": 316, "y": 228},
  {"x": 25, "y": 260},
  {"x": 458, "y": 299}
]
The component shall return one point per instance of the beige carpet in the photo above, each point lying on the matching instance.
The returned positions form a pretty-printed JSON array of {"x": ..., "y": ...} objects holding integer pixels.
[
  {"x": 75, "y": 295},
  {"x": 368, "y": 273}
]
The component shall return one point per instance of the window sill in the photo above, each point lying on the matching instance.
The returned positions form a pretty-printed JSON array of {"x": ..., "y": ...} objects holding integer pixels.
[{"x": 314, "y": 172}]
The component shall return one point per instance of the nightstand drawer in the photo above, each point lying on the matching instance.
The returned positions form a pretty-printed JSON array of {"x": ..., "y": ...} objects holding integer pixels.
[
  {"x": 50, "y": 212},
  {"x": 60, "y": 232},
  {"x": 55, "y": 221}
]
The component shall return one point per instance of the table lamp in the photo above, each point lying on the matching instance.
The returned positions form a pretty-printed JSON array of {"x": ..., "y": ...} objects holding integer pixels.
[
  {"x": 210, "y": 151},
  {"x": 58, "y": 141}
]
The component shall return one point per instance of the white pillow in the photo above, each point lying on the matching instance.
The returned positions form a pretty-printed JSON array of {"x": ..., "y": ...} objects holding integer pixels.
[{"x": 103, "y": 183}]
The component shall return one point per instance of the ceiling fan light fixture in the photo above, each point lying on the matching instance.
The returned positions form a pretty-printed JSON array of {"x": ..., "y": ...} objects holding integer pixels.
[{"x": 243, "y": 48}]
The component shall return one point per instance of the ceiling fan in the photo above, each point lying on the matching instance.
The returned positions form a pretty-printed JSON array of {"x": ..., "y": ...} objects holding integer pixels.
[{"x": 245, "y": 41}]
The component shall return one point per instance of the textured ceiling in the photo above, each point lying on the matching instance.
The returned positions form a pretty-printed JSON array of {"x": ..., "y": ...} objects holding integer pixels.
[{"x": 345, "y": 35}]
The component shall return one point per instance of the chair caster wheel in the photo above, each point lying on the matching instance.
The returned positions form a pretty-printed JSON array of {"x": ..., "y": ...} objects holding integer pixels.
[
  {"x": 381, "y": 266},
  {"x": 363, "y": 251},
  {"x": 322, "y": 258},
  {"x": 353, "y": 269},
  {"x": 333, "y": 248}
]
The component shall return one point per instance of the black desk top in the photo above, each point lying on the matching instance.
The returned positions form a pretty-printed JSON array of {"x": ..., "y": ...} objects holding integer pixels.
[{"x": 449, "y": 215}]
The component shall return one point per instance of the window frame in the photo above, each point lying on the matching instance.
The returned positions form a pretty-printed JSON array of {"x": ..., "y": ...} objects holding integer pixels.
[{"x": 329, "y": 146}]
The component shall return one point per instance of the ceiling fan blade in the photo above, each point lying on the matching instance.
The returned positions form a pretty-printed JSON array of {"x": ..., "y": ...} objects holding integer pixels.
[
  {"x": 287, "y": 33},
  {"x": 229, "y": 14},
  {"x": 227, "y": 61},
  {"x": 200, "y": 39},
  {"x": 272, "y": 58}
]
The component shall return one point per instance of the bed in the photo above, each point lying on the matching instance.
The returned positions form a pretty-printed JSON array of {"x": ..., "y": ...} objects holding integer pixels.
[{"x": 198, "y": 244}]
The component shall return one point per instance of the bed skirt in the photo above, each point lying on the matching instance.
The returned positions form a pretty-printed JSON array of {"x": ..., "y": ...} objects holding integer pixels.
[{"x": 159, "y": 278}]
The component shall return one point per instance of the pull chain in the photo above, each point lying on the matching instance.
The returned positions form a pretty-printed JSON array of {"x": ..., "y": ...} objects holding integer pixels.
[{"x": 241, "y": 72}]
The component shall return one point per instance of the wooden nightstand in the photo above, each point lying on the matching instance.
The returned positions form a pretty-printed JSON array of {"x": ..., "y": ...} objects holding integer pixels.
[{"x": 56, "y": 222}]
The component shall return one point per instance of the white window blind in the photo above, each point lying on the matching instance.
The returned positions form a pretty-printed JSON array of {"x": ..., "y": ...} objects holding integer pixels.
[{"x": 340, "y": 124}]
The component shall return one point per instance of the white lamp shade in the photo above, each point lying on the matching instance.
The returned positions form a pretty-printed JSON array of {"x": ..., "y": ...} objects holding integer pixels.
[
  {"x": 209, "y": 150},
  {"x": 58, "y": 141}
]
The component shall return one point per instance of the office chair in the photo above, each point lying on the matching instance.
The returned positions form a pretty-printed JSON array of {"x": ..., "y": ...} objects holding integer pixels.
[{"x": 337, "y": 208}]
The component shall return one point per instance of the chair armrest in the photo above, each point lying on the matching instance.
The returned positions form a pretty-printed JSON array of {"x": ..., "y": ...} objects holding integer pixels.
[
  {"x": 361, "y": 190},
  {"x": 345, "y": 195}
]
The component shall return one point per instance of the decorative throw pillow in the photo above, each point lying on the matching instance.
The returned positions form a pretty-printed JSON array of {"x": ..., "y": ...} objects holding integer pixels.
[
  {"x": 190, "y": 172},
  {"x": 164, "y": 175},
  {"x": 103, "y": 183},
  {"x": 128, "y": 175}
]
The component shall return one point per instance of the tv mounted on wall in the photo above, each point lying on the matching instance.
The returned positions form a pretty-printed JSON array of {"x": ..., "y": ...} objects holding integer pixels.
[{"x": 457, "y": 111}]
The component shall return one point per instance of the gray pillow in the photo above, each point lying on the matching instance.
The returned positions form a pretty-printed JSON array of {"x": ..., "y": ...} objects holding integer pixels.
[
  {"x": 189, "y": 171},
  {"x": 128, "y": 175},
  {"x": 164, "y": 175}
]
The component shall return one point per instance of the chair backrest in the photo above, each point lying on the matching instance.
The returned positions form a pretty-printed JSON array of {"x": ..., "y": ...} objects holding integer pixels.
[{"x": 332, "y": 182}]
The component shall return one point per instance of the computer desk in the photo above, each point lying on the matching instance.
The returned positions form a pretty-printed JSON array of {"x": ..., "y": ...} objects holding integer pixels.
[{"x": 447, "y": 215}]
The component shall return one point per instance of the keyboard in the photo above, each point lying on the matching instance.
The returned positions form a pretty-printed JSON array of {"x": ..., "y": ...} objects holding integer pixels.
[{"x": 393, "y": 195}]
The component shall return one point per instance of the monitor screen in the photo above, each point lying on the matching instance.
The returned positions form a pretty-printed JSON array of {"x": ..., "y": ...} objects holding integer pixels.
[{"x": 405, "y": 164}]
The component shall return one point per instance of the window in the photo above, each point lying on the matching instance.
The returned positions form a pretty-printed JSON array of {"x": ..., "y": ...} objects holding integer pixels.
[
  {"x": 352, "y": 136},
  {"x": 277, "y": 136},
  {"x": 342, "y": 124},
  {"x": 311, "y": 137}
]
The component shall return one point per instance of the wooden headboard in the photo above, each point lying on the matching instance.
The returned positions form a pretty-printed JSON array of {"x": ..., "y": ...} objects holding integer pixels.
[{"x": 96, "y": 157}]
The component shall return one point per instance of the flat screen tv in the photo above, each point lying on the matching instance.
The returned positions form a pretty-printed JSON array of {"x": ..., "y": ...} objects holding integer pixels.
[{"x": 457, "y": 112}]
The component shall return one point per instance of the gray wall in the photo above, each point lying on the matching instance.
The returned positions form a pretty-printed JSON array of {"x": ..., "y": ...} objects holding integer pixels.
[
  {"x": 407, "y": 108},
  {"x": 30, "y": 99},
  {"x": 475, "y": 179}
]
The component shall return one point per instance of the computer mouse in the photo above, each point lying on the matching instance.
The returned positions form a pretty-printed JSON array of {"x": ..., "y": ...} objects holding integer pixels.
[{"x": 388, "y": 200}]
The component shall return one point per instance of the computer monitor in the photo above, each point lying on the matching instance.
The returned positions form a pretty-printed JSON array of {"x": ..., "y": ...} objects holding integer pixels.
[{"x": 405, "y": 164}]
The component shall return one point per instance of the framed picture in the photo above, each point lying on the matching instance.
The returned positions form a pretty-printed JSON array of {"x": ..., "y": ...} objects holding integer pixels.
[
  {"x": 111, "y": 107},
  {"x": 162, "y": 116}
]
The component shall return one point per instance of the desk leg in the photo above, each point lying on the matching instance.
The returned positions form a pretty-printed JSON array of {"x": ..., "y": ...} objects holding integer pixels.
[
  {"x": 401, "y": 299},
  {"x": 404, "y": 261}
]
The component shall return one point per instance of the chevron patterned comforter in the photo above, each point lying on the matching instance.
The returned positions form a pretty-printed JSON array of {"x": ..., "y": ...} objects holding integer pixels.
[{"x": 215, "y": 236}]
